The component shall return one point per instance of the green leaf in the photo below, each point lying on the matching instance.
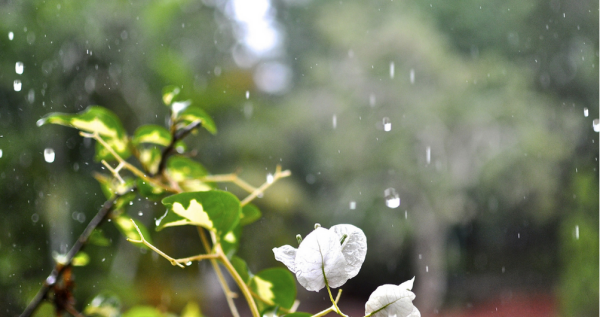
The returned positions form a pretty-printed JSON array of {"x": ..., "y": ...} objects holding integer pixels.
[
  {"x": 104, "y": 304},
  {"x": 98, "y": 238},
  {"x": 250, "y": 213},
  {"x": 127, "y": 228},
  {"x": 111, "y": 186},
  {"x": 191, "y": 309},
  {"x": 152, "y": 133},
  {"x": 95, "y": 119},
  {"x": 192, "y": 114},
  {"x": 231, "y": 241},
  {"x": 186, "y": 173},
  {"x": 150, "y": 158},
  {"x": 170, "y": 93},
  {"x": 241, "y": 268},
  {"x": 149, "y": 191},
  {"x": 276, "y": 286},
  {"x": 215, "y": 210},
  {"x": 125, "y": 200},
  {"x": 81, "y": 259},
  {"x": 143, "y": 311}
]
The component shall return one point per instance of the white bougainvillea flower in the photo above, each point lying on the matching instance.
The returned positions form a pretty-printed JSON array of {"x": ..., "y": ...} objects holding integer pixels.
[
  {"x": 392, "y": 300},
  {"x": 326, "y": 256}
]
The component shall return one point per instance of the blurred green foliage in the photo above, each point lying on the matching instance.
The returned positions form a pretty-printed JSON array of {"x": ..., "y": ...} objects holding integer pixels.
[{"x": 497, "y": 96}]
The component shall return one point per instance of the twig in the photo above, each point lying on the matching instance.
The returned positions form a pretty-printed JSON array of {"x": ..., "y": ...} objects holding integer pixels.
[
  {"x": 233, "y": 177},
  {"x": 330, "y": 309},
  {"x": 176, "y": 137},
  {"x": 78, "y": 246},
  {"x": 278, "y": 174},
  {"x": 153, "y": 248}
]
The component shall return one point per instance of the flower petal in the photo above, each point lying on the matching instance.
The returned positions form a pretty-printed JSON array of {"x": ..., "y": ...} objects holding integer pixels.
[
  {"x": 319, "y": 253},
  {"x": 354, "y": 247},
  {"x": 392, "y": 300},
  {"x": 286, "y": 255}
]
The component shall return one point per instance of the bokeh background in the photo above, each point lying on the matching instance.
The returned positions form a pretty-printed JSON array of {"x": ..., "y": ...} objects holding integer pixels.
[{"x": 477, "y": 115}]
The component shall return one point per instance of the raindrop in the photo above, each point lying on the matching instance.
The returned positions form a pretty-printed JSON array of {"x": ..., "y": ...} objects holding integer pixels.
[
  {"x": 392, "y": 70},
  {"x": 412, "y": 76},
  {"x": 585, "y": 112},
  {"x": 372, "y": 100},
  {"x": 352, "y": 205},
  {"x": 131, "y": 203},
  {"x": 49, "y": 155},
  {"x": 188, "y": 263},
  {"x": 426, "y": 268},
  {"x": 334, "y": 121},
  {"x": 35, "y": 217},
  {"x": 270, "y": 178},
  {"x": 387, "y": 124},
  {"x": 11, "y": 36},
  {"x": 247, "y": 94},
  {"x": 392, "y": 199},
  {"x": 19, "y": 68},
  {"x": 428, "y": 154},
  {"x": 31, "y": 96},
  {"x": 406, "y": 214},
  {"x": 140, "y": 213},
  {"x": 0, "y": 152},
  {"x": 577, "y": 232},
  {"x": 17, "y": 85},
  {"x": 51, "y": 279},
  {"x": 596, "y": 125}
]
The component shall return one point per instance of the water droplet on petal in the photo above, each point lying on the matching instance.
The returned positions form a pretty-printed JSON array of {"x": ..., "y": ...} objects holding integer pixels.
[
  {"x": 49, "y": 155},
  {"x": 11, "y": 36},
  {"x": 387, "y": 124},
  {"x": 17, "y": 85},
  {"x": 596, "y": 125},
  {"x": 585, "y": 112},
  {"x": 392, "y": 199},
  {"x": 19, "y": 68}
]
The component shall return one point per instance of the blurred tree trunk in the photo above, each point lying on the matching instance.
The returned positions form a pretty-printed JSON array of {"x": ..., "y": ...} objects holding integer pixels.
[{"x": 429, "y": 259}]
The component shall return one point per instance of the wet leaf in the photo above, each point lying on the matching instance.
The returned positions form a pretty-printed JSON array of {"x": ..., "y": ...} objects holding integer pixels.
[
  {"x": 392, "y": 300},
  {"x": 192, "y": 114},
  {"x": 170, "y": 94},
  {"x": 104, "y": 304},
  {"x": 152, "y": 133},
  {"x": 149, "y": 191},
  {"x": 325, "y": 256},
  {"x": 186, "y": 173},
  {"x": 81, "y": 259},
  {"x": 191, "y": 309},
  {"x": 95, "y": 119},
  {"x": 276, "y": 286},
  {"x": 215, "y": 210},
  {"x": 250, "y": 213},
  {"x": 231, "y": 241},
  {"x": 150, "y": 158}
]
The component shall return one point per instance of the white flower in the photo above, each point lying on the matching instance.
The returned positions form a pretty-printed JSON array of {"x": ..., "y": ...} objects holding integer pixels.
[
  {"x": 392, "y": 300},
  {"x": 326, "y": 256}
]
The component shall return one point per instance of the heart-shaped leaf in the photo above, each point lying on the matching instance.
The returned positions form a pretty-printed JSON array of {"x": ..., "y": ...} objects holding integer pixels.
[
  {"x": 250, "y": 213},
  {"x": 215, "y": 210},
  {"x": 392, "y": 300},
  {"x": 242, "y": 268},
  {"x": 231, "y": 241},
  {"x": 191, "y": 114},
  {"x": 276, "y": 286}
]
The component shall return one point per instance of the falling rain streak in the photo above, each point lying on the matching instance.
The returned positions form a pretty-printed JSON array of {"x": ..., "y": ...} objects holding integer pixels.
[
  {"x": 428, "y": 154},
  {"x": 596, "y": 125},
  {"x": 334, "y": 121},
  {"x": 0, "y": 153},
  {"x": 17, "y": 85},
  {"x": 247, "y": 94},
  {"x": 19, "y": 68},
  {"x": 392, "y": 199},
  {"x": 577, "y": 232},
  {"x": 412, "y": 76},
  {"x": 11, "y": 36},
  {"x": 270, "y": 178},
  {"x": 49, "y": 155},
  {"x": 392, "y": 70},
  {"x": 352, "y": 205},
  {"x": 585, "y": 112}
]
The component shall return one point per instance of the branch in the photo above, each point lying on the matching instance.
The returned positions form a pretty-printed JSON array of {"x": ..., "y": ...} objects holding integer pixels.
[
  {"x": 176, "y": 137},
  {"x": 330, "y": 309},
  {"x": 153, "y": 248},
  {"x": 59, "y": 268},
  {"x": 278, "y": 174}
]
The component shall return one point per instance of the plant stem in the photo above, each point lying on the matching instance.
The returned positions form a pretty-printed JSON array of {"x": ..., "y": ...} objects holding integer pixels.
[
  {"x": 153, "y": 248},
  {"x": 176, "y": 136},
  {"x": 278, "y": 174},
  {"x": 332, "y": 308},
  {"x": 59, "y": 268},
  {"x": 229, "y": 295},
  {"x": 240, "y": 282}
]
